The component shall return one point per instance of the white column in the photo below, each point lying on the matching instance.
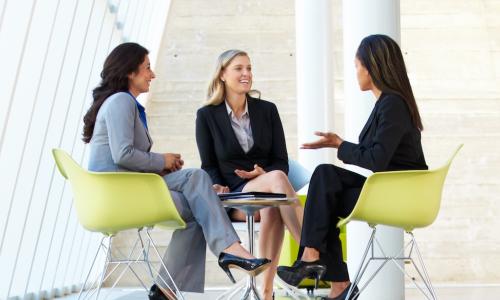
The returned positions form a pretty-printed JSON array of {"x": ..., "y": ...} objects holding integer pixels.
[
  {"x": 362, "y": 18},
  {"x": 314, "y": 75}
]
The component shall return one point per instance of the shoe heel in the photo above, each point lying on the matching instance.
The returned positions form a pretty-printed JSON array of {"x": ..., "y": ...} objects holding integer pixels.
[
  {"x": 317, "y": 277},
  {"x": 228, "y": 273}
]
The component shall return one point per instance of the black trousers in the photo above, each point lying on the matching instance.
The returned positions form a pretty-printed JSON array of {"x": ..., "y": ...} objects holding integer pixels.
[{"x": 333, "y": 193}]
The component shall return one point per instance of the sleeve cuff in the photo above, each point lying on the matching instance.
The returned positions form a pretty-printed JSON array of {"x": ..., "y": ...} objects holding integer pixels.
[
  {"x": 344, "y": 150},
  {"x": 158, "y": 162}
]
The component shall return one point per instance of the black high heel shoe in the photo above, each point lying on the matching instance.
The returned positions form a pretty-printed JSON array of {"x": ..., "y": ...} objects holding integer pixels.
[
  {"x": 300, "y": 270},
  {"x": 251, "y": 266},
  {"x": 155, "y": 293}
]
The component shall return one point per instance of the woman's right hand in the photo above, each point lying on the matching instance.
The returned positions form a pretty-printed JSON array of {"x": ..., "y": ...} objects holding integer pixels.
[
  {"x": 219, "y": 189},
  {"x": 327, "y": 139},
  {"x": 173, "y": 161}
]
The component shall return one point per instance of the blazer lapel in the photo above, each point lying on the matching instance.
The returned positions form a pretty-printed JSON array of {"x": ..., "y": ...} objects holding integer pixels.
[
  {"x": 149, "y": 137},
  {"x": 222, "y": 119},
  {"x": 254, "y": 122},
  {"x": 367, "y": 125}
]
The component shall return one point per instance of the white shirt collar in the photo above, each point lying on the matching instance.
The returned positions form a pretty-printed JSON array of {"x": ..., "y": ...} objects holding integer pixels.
[{"x": 230, "y": 111}]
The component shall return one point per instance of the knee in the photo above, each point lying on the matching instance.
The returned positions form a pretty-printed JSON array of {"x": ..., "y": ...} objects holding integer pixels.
[
  {"x": 278, "y": 176},
  {"x": 271, "y": 213},
  {"x": 323, "y": 169},
  {"x": 199, "y": 175}
]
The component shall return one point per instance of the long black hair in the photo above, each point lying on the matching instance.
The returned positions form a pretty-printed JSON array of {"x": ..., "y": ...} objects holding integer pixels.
[
  {"x": 122, "y": 61},
  {"x": 383, "y": 59}
]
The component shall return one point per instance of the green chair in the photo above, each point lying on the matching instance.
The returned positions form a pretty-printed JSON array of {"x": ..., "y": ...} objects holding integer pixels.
[
  {"x": 402, "y": 199},
  {"x": 110, "y": 202}
]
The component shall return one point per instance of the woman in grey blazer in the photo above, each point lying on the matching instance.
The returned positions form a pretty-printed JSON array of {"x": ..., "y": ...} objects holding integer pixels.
[{"x": 116, "y": 129}]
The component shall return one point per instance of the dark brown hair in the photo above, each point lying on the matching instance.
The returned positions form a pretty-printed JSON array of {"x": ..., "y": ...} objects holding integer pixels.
[
  {"x": 122, "y": 61},
  {"x": 383, "y": 59}
]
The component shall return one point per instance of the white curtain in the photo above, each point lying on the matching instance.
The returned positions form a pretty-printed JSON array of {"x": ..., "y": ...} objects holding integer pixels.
[{"x": 52, "y": 52}]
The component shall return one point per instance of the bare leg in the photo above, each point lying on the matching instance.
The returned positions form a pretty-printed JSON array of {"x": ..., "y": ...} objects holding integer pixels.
[
  {"x": 270, "y": 241},
  {"x": 277, "y": 182},
  {"x": 272, "y": 220}
]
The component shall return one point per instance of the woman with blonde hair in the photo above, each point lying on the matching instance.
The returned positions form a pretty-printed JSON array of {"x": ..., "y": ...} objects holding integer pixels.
[{"x": 242, "y": 147}]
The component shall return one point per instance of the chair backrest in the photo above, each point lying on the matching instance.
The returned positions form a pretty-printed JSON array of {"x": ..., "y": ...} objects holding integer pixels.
[
  {"x": 109, "y": 202},
  {"x": 298, "y": 175},
  {"x": 405, "y": 199}
]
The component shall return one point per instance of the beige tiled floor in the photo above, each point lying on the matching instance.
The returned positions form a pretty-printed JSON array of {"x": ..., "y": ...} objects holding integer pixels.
[{"x": 443, "y": 293}]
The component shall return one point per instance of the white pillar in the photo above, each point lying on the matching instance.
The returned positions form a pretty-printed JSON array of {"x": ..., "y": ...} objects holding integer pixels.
[
  {"x": 314, "y": 75},
  {"x": 362, "y": 18}
]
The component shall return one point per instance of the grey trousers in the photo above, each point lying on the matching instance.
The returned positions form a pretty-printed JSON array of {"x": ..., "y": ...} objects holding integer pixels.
[{"x": 206, "y": 223}]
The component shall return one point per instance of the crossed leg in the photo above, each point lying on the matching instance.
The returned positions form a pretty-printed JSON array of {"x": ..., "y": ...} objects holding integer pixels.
[{"x": 272, "y": 221}]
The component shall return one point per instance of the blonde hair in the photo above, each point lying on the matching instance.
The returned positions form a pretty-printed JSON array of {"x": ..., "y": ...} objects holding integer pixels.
[{"x": 216, "y": 92}]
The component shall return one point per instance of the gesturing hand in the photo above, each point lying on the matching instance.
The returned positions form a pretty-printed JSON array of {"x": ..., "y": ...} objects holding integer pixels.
[
  {"x": 219, "y": 189},
  {"x": 173, "y": 162},
  {"x": 250, "y": 174},
  {"x": 327, "y": 139}
]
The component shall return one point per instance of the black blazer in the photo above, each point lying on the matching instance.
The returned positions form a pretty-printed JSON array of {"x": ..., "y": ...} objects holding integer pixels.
[
  {"x": 220, "y": 151},
  {"x": 389, "y": 141}
]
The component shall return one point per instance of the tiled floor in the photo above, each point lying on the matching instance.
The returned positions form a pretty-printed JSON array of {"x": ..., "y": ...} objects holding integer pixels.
[{"x": 443, "y": 293}]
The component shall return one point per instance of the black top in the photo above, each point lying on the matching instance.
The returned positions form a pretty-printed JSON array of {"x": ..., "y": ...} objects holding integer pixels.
[
  {"x": 220, "y": 151},
  {"x": 389, "y": 141}
]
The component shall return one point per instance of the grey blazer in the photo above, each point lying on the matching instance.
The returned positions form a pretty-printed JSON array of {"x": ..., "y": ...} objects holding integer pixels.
[{"x": 120, "y": 141}]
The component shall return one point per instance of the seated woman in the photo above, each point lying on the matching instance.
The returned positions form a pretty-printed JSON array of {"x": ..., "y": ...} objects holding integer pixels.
[
  {"x": 116, "y": 128},
  {"x": 242, "y": 147},
  {"x": 389, "y": 141}
]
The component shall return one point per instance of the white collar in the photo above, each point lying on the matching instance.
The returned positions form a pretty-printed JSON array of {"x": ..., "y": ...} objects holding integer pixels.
[{"x": 230, "y": 111}]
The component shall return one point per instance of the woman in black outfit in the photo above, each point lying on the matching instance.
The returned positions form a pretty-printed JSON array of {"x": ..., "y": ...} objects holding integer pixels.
[{"x": 389, "y": 141}]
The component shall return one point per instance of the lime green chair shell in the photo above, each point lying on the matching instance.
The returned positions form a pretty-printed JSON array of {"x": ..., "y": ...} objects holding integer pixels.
[
  {"x": 109, "y": 202},
  {"x": 404, "y": 199}
]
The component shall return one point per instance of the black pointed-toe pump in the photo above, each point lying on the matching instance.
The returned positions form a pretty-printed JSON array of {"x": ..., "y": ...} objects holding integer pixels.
[
  {"x": 251, "y": 266},
  {"x": 300, "y": 270}
]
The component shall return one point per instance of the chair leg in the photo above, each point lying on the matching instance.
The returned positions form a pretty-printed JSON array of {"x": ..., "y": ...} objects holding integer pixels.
[
  {"x": 412, "y": 244},
  {"x": 424, "y": 276},
  {"x": 108, "y": 253},
  {"x": 145, "y": 252},
  {"x": 362, "y": 266},
  {"x": 82, "y": 289},
  {"x": 176, "y": 290}
]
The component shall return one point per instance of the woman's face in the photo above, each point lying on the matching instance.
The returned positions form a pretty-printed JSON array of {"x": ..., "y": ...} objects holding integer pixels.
[
  {"x": 364, "y": 78},
  {"x": 139, "y": 81},
  {"x": 237, "y": 76}
]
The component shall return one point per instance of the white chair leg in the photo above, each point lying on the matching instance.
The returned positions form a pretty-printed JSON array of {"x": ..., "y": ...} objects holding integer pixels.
[
  {"x": 425, "y": 276},
  {"x": 176, "y": 289},
  {"x": 362, "y": 266},
  {"x": 108, "y": 254},
  {"x": 82, "y": 289}
]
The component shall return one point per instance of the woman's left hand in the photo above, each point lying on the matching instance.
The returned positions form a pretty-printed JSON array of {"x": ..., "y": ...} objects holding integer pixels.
[{"x": 250, "y": 174}]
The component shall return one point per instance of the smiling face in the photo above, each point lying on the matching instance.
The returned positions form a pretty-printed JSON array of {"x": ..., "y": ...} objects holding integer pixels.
[
  {"x": 139, "y": 81},
  {"x": 237, "y": 76}
]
